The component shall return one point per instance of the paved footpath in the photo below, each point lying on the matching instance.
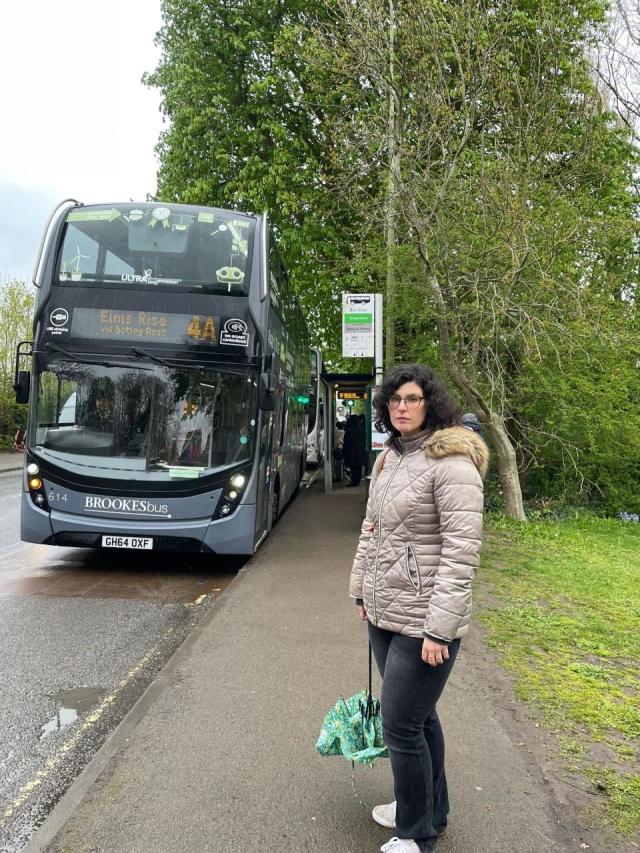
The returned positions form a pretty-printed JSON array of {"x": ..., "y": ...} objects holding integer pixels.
[
  {"x": 219, "y": 754},
  {"x": 10, "y": 461}
]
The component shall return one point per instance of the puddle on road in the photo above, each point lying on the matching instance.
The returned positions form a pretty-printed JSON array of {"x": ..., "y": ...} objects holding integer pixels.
[
  {"x": 75, "y": 573},
  {"x": 73, "y": 703},
  {"x": 63, "y": 718}
]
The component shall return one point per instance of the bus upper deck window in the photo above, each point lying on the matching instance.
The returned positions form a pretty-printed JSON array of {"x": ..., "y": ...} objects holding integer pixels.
[{"x": 159, "y": 231}]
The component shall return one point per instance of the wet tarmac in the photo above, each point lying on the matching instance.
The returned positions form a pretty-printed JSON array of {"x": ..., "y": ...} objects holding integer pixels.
[
  {"x": 75, "y": 572},
  {"x": 82, "y": 634}
]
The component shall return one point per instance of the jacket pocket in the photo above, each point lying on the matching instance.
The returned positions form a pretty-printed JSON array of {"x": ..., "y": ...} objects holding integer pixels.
[{"x": 413, "y": 571}]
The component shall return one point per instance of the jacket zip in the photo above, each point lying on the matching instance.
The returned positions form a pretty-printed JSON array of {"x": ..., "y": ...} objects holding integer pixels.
[
  {"x": 375, "y": 565},
  {"x": 417, "y": 585}
]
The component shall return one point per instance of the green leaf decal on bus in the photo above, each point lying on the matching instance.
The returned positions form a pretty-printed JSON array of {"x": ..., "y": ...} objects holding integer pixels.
[{"x": 93, "y": 215}]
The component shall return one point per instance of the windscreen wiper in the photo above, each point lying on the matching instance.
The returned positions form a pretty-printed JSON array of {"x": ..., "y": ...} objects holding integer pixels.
[
  {"x": 175, "y": 364},
  {"x": 143, "y": 352},
  {"x": 74, "y": 356}
]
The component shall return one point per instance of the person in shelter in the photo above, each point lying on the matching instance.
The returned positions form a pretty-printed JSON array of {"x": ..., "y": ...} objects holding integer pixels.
[{"x": 354, "y": 448}]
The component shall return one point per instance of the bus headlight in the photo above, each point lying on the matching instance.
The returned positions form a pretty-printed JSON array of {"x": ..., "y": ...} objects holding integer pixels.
[
  {"x": 35, "y": 484},
  {"x": 231, "y": 496}
]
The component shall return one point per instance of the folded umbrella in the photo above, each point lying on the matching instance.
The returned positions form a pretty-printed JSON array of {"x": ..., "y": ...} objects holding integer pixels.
[{"x": 353, "y": 728}]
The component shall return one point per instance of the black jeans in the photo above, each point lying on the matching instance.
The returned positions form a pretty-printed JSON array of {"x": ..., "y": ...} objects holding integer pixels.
[{"x": 412, "y": 732}]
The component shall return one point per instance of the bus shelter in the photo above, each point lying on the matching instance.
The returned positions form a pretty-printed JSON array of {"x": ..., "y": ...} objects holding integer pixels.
[{"x": 347, "y": 386}]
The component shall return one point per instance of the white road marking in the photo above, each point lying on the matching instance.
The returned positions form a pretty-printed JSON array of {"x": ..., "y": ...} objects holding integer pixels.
[{"x": 27, "y": 790}]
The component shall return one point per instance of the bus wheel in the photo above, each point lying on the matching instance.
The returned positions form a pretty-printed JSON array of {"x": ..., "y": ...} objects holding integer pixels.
[{"x": 275, "y": 504}]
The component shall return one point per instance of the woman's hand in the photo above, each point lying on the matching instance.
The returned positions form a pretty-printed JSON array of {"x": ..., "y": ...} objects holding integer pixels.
[
  {"x": 434, "y": 653},
  {"x": 362, "y": 613}
]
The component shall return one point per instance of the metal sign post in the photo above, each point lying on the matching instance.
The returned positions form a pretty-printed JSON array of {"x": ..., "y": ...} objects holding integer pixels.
[
  {"x": 379, "y": 328},
  {"x": 329, "y": 418},
  {"x": 376, "y": 438}
]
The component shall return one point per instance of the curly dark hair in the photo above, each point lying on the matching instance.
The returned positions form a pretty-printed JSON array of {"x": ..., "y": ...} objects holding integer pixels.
[{"x": 442, "y": 409}]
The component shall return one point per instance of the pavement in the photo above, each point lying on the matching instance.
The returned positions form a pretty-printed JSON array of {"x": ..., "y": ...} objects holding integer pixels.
[
  {"x": 219, "y": 754},
  {"x": 10, "y": 461}
]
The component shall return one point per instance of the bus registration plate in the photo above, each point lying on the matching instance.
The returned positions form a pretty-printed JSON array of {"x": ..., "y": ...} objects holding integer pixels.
[{"x": 139, "y": 542}]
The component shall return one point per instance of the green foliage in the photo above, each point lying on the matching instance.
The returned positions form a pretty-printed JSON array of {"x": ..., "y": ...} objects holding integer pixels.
[
  {"x": 623, "y": 795},
  {"x": 583, "y": 437},
  {"x": 519, "y": 213},
  {"x": 16, "y": 313},
  {"x": 516, "y": 195},
  {"x": 566, "y": 629},
  {"x": 246, "y": 131}
]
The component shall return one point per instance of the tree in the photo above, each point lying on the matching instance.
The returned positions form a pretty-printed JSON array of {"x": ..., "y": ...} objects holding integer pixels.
[
  {"x": 615, "y": 59},
  {"x": 16, "y": 311},
  {"x": 508, "y": 171},
  {"x": 248, "y": 130},
  {"x": 457, "y": 155}
]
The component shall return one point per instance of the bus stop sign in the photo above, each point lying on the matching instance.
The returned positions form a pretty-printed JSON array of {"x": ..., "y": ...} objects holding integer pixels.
[{"x": 358, "y": 338}]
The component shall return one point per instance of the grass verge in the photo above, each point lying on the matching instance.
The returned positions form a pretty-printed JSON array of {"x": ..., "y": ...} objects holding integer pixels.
[{"x": 564, "y": 617}]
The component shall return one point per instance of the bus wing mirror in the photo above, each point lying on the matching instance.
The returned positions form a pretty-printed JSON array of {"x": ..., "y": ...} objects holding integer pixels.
[
  {"x": 22, "y": 378},
  {"x": 267, "y": 400},
  {"x": 21, "y": 386}
]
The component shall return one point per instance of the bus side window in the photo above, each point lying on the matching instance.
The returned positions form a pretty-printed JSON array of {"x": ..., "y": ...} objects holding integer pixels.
[{"x": 280, "y": 296}]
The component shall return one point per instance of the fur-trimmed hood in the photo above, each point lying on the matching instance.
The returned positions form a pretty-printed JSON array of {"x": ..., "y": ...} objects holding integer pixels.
[{"x": 459, "y": 439}]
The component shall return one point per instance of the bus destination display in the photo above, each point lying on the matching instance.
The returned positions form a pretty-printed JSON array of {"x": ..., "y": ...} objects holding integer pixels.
[{"x": 134, "y": 325}]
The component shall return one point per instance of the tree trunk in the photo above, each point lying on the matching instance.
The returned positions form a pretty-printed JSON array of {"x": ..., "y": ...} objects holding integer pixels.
[
  {"x": 390, "y": 301},
  {"x": 504, "y": 451},
  {"x": 507, "y": 469},
  {"x": 391, "y": 202}
]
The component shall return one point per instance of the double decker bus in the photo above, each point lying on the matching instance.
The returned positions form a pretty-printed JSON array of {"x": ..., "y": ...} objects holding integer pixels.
[{"x": 168, "y": 382}]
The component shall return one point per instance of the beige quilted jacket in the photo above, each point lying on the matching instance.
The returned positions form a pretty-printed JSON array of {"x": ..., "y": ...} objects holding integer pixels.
[{"x": 420, "y": 541}]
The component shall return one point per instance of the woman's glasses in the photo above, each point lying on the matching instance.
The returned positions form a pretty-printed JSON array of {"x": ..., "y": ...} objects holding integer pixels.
[{"x": 411, "y": 402}]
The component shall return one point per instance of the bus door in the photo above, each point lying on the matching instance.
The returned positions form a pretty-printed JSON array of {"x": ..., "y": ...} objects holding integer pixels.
[
  {"x": 279, "y": 481},
  {"x": 263, "y": 491}
]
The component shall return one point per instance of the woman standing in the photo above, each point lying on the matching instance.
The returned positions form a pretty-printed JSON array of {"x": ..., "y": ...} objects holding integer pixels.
[{"x": 411, "y": 579}]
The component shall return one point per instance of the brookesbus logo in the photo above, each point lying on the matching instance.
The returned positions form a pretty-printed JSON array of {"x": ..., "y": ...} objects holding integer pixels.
[{"x": 128, "y": 506}]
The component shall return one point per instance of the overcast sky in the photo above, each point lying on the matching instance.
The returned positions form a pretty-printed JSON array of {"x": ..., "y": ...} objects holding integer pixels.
[{"x": 76, "y": 120}]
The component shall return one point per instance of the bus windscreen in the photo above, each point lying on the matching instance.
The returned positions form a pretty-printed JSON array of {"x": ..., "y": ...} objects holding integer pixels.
[
  {"x": 157, "y": 245},
  {"x": 147, "y": 421}
]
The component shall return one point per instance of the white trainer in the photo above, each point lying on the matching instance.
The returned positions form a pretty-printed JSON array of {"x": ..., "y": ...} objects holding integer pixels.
[
  {"x": 385, "y": 815},
  {"x": 400, "y": 845}
]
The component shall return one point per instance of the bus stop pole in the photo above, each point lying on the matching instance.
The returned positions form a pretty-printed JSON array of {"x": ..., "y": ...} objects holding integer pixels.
[
  {"x": 379, "y": 340},
  {"x": 378, "y": 330},
  {"x": 328, "y": 437}
]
